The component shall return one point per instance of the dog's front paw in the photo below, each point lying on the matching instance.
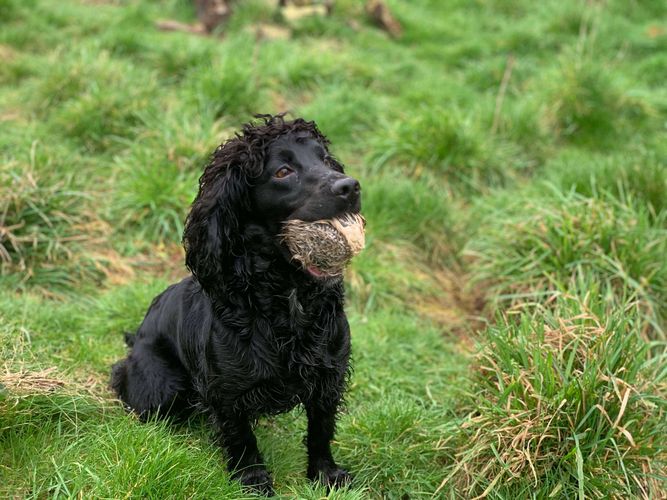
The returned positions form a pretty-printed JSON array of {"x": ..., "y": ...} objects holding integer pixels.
[
  {"x": 336, "y": 478},
  {"x": 331, "y": 477},
  {"x": 257, "y": 480}
]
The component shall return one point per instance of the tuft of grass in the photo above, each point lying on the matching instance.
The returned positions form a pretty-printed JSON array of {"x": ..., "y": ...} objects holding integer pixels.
[
  {"x": 173, "y": 59},
  {"x": 318, "y": 63},
  {"x": 581, "y": 104},
  {"x": 102, "y": 118},
  {"x": 13, "y": 67},
  {"x": 651, "y": 69},
  {"x": 230, "y": 85},
  {"x": 639, "y": 175},
  {"x": 565, "y": 403},
  {"x": 68, "y": 77},
  {"x": 85, "y": 95},
  {"x": 45, "y": 225},
  {"x": 153, "y": 194},
  {"x": 11, "y": 9},
  {"x": 344, "y": 113},
  {"x": 447, "y": 142},
  {"x": 538, "y": 248}
]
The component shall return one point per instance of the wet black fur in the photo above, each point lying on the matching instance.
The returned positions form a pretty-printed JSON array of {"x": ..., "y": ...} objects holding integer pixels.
[{"x": 248, "y": 333}]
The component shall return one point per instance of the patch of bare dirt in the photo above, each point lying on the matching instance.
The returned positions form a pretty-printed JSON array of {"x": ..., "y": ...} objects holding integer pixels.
[{"x": 455, "y": 306}]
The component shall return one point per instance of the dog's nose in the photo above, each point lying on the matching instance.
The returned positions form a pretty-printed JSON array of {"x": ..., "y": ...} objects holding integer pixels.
[{"x": 347, "y": 188}]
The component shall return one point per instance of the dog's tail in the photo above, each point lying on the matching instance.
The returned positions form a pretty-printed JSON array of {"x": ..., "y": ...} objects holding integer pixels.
[{"x": 130, "y": 337}]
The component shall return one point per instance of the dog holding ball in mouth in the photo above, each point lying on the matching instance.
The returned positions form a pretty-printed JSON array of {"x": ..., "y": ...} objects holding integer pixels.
[{"x": 259, "y": 326}]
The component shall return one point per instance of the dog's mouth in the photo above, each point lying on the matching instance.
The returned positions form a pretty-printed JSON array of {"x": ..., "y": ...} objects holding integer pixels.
[
  {"x": 310, "y": 269},
  {"x": 317, "y": 273}
]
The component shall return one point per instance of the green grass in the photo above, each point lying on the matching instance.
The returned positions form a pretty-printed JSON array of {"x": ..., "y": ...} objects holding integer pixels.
[
  {"x": 560, "y": 241},
  {"x": 637, "y": 175},
  {"x": 514, "y": 172}
]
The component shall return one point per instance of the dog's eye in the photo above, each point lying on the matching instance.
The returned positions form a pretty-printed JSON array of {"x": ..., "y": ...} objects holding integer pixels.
[{"x": 283, "y": 171}]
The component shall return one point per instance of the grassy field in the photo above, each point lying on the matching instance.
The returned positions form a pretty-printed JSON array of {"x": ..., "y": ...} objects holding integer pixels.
[{"x": 509, "y": 314}]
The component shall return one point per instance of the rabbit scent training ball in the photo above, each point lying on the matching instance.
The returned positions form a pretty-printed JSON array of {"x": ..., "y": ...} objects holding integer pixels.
[{"x": 325, "y": 247}]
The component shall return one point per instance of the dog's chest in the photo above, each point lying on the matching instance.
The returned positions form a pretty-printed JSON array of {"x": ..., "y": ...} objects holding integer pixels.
[
  {"x": 305, "y": 339},
  {"x": 292, "y": 355},
  {"x": 294, "y": 374}
]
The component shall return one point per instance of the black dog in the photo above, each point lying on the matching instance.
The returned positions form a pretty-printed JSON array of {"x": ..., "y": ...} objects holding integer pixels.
[{"x": 250, "y": 332}]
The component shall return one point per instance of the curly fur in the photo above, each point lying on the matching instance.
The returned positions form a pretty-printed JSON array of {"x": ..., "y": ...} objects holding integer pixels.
[
  {"x": 215, "y": 224},
  {"x": 249, "y": 333}
]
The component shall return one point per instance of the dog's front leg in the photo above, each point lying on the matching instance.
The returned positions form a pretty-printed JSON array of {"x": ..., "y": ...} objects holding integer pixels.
[
  {"x": 321, "y": 428},
  {"x": 244, "y": 459}
]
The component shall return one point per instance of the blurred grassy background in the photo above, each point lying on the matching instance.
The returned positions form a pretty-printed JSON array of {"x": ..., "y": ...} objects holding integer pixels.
[{"x": 508, "y": 313}]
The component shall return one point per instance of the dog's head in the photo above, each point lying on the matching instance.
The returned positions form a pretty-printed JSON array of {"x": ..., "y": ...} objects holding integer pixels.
[{"x": 267, "y": 174}]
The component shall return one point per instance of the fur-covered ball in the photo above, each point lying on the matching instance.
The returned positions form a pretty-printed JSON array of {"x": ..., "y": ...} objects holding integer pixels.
[{"x": 325, "y": 247}]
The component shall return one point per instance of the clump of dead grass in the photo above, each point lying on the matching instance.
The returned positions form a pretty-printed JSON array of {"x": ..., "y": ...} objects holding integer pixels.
[
  {"x": 567, "y": 402},
  {"x": 25, "y": 381}
]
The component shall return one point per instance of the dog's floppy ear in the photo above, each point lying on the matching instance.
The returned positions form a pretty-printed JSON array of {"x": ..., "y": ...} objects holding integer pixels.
[
  {"x": 215, "y": 228},
  {"x": 213, "y": 234}
]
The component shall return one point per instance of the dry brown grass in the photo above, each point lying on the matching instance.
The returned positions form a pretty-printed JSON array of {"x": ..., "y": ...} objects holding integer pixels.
[{"x": 31, "y": 382}]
